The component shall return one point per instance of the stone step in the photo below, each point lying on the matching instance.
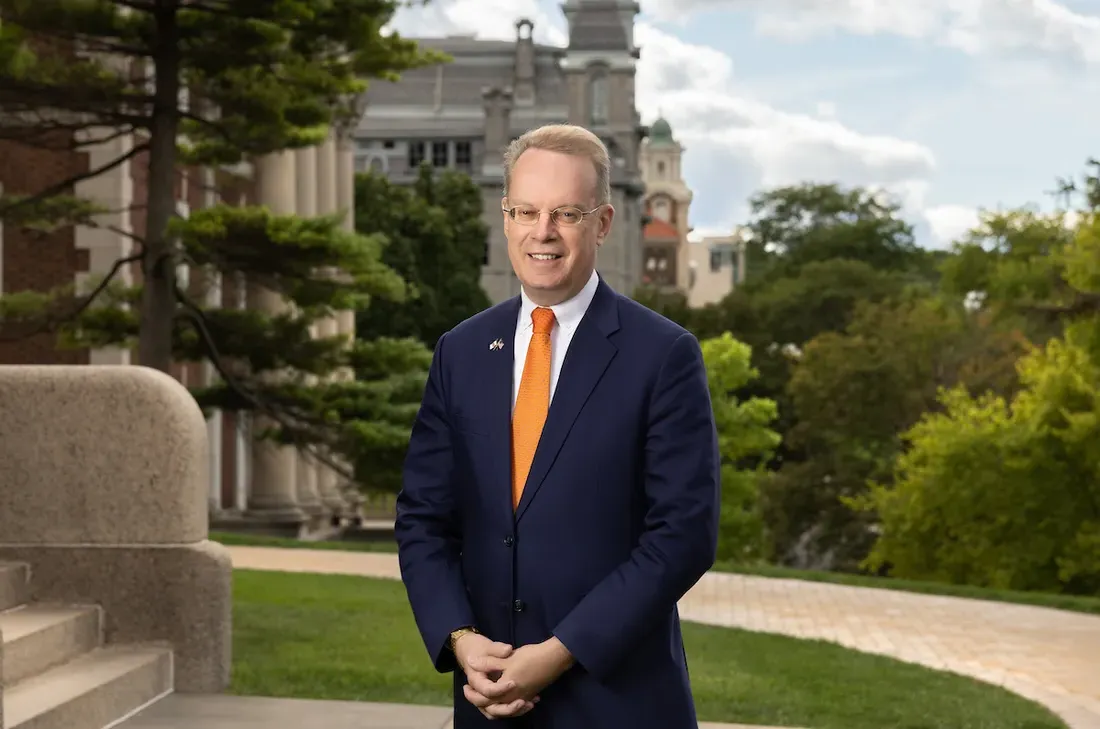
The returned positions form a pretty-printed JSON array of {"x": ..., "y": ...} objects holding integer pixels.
[
  {"x": 14, "y": 584},
  {"x": 94, "y": 691},
  {"x": 38, "y": 637}
]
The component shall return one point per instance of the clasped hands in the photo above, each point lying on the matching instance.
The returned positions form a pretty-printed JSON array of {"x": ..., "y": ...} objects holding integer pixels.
[{"x": 502, "y": 681}]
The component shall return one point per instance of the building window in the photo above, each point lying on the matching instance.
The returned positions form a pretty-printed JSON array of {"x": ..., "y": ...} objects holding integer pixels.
[
  {"x": 440, "y": 154},
  {"x": 416, "y": 154},
  {"x": 388, "y": 144},
  {"x": 597, "y": 100},
  {"x": 722, "y": 256},
  {"x": 464, "y": 156},
  {"x": 660, "y": 267},
  {"x": 660, "y": 170}
]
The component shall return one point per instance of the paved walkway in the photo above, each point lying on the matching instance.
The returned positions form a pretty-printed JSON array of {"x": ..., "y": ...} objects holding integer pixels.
[
  {"x": 1051, "y": 656},
  {"x": 199, "y": 711}
]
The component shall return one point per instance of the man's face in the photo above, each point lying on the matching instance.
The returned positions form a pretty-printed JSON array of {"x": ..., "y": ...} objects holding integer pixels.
[{"x": 554, "y": 260}]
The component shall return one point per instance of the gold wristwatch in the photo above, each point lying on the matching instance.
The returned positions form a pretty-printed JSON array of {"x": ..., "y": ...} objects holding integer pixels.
[{"x": 458, "y": 634}]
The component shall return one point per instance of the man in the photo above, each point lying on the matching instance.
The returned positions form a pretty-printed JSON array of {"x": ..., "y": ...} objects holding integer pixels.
[{"x": 561, "y": 485}]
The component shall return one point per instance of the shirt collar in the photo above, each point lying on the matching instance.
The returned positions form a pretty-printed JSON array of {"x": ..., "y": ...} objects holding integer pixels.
[{"x": 568, "y": 313}]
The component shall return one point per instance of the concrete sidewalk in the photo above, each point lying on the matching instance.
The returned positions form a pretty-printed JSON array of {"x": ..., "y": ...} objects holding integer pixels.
[{"x": 198, "y": 711}]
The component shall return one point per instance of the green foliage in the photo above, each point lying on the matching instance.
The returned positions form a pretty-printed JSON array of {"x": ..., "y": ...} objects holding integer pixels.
[
  {"x": 365, "y": 421},
  {"x": 1005, "y": 492},
  {"x": 851, "y": 393},
  {"x": 437, "y": 241},
  {"x": 744, "y": 441},
  {"x": 817, "y": 254},
  {"x": 794, "y": 226},
  {"x": 290, "y": 255}
]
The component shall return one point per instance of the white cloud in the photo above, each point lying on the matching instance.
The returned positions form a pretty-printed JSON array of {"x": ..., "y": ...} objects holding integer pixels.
[
  {"x": 826, "y": 110},
  {"x": 972, "y": 26},
  {"x": 949, "y": 223},
  {"x": 495, "y": 19},
  {"x": 724, "y": 130}
]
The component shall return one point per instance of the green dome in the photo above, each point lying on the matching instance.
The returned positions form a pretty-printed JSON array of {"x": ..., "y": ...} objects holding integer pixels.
[{"x": 660, "y": 132}]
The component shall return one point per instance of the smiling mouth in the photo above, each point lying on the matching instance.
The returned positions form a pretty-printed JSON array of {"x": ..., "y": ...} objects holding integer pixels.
[{"x": 544, "y": 256}]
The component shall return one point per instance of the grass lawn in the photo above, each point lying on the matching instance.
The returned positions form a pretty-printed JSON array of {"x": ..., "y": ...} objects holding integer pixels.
[
  {"x": 337, "y": 637},
  {"x": 1074, "y": 603}
]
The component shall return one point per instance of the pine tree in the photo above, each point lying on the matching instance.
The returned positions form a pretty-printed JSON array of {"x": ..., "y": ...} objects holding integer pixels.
[{"x": 216, "y": 82}]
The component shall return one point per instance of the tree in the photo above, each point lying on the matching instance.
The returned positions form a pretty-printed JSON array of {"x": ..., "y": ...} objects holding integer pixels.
[
  {"x": 1004, "y": 491},
  {"x": 744, "y": 442},
  {"x": 259, "y": 77},
  {"x": 797, "y": 225},
  {"x": 198, "y": 81},
  {"x": 852, "y": 393},
  {"x": 437, "y": 244}
]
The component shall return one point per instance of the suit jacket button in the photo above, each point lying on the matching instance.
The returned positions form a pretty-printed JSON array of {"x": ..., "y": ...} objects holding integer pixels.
[
  {"x": 518, "y": 606},
  {"x": 509, "y": 541}
]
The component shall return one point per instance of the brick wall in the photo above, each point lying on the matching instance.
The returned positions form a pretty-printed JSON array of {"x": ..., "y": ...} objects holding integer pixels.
[{"x": 38, "y": 261}]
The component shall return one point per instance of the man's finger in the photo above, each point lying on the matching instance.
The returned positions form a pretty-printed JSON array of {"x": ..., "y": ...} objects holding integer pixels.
[
  {"x": 514, "y": 708},
  {"x": 498, "y": 649},
  {"x": 486, "y": 664},
  {"x": 490, "y": 689},
  {"x": 475, "y": 698}
]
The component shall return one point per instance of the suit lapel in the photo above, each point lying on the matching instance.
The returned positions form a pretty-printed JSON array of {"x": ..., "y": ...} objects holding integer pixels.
[
  {"x": 497, "y": 373},
  {"x": 590, "y": 352}
]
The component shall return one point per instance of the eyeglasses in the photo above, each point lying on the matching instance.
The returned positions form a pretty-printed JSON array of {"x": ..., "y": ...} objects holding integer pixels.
[{"x": 564, "y": 216}]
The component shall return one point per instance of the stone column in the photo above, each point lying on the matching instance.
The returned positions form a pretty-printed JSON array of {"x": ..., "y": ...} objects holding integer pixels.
[
  {"x": 498, "y": 105},
  {"x": 210, "y": 289},
  {"x": 328, "y": 481},
  {"x": 345, "y": 320},
  {"x": 305, "y": 162},
  {"x": 345, "y": 196},
  {"x": 107, "y": 240},
  {"x": 273, "y": 495}
]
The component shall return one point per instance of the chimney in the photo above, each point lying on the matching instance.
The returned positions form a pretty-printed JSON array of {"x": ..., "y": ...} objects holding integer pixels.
[
  {"x": 524, "y": 71},
  {"x": 498, "y": 126}
]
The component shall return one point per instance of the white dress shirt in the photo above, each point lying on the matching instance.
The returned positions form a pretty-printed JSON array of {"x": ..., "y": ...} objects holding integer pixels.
[{"x": 567, "y": 315}]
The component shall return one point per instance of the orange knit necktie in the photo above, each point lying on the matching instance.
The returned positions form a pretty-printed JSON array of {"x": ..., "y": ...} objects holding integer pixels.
[{"x": 532, "y": 402}]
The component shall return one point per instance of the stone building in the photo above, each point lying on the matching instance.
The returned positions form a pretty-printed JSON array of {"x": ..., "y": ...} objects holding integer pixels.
[
  {"x": 462, "y": 114},
  {"x": 704, "y": 270},
  {"x": 717, "y": 266},
  {"x": 249, "y": 481},
  {"x": 667, "y": 206}
]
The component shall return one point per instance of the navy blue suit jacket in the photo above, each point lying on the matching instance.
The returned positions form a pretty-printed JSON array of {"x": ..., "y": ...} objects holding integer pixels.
[{"x": 617, "y": 521}]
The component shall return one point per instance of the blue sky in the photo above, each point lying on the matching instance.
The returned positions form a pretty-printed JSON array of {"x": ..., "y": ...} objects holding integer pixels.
[{"x": 953, "y": 105}]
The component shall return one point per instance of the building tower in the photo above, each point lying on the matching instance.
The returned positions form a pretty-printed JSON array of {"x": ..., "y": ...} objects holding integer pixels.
[
  {"x": 665, "y": 259},
  {"x": 599, "y": 66}
]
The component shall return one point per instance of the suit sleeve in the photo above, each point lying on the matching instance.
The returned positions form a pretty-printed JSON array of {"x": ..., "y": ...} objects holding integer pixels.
[
  {"x": 680, "y": 539},
  {"x": 427, "y": 525}
]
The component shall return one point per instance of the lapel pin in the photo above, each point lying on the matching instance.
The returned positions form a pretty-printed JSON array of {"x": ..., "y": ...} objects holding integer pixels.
[{"x": 496, "y": 344}]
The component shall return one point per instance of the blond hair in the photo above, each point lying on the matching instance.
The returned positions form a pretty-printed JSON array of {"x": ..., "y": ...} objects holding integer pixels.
[{"x": 567, "y": 139}]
